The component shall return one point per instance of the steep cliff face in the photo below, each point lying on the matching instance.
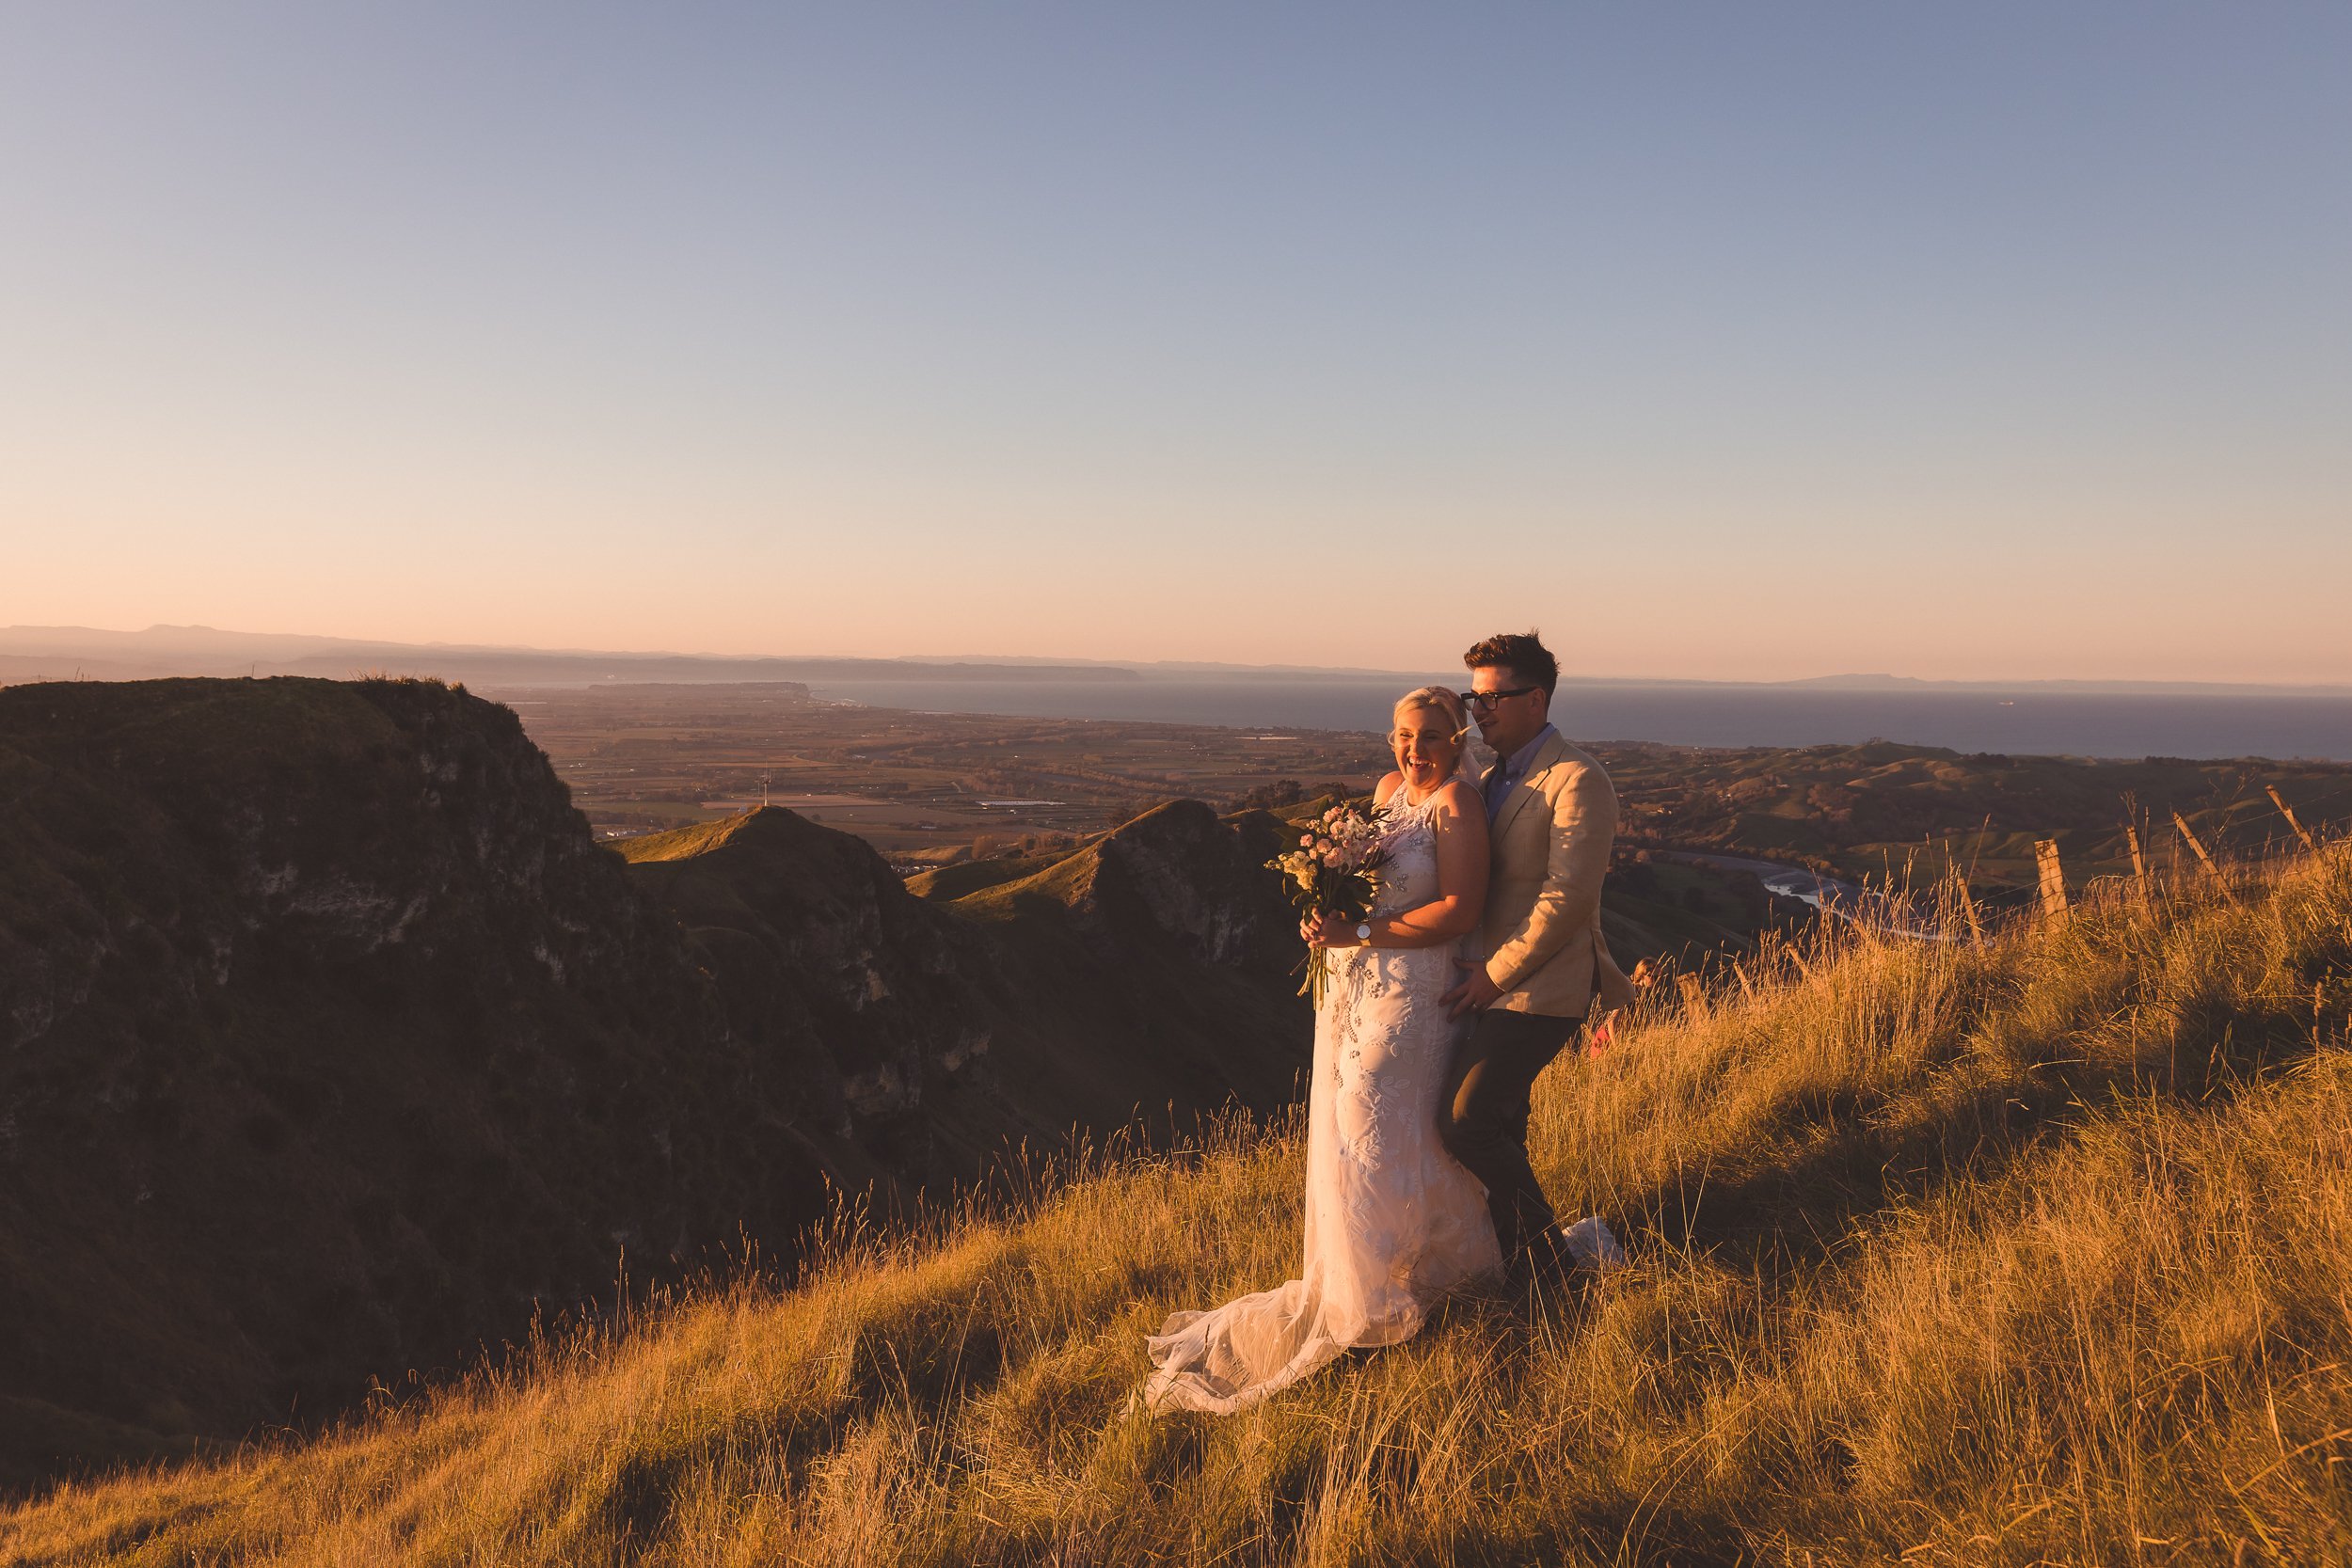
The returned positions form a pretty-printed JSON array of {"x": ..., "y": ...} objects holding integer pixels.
[
  {"x": 1143, "y": 977},
  {"x": 859, "y": 1000},
  {"x": 1152, "y": 972},
  {"x": 330, "y": 1043}
]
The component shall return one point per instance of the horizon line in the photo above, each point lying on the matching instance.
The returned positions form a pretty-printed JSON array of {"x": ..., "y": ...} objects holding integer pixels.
[{"x": 321, "y": 644}]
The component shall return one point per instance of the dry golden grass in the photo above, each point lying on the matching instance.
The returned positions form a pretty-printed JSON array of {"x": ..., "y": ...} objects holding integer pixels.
[{"x": 2030, "y": 1252}]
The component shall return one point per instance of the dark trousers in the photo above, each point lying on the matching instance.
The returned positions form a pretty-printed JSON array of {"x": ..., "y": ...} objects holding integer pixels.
[{"x": 1482, "y": 1118}]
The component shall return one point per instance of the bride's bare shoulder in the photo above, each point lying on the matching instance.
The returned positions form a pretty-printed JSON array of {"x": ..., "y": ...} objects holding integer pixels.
[
  {"x": 1456, "y": 798},
  {"x": 1387, "y": 787}
]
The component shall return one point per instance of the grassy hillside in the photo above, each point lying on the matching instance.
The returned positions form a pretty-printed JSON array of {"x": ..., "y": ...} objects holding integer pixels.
[{"x": 2027, "y": 1252}]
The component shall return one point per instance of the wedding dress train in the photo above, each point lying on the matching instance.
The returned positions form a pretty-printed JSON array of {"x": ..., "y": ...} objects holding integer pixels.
[{"x": 1391, "y": 1221}]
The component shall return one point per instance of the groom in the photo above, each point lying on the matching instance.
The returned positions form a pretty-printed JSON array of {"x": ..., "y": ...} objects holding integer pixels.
[{"x": 1552, "y": 816}]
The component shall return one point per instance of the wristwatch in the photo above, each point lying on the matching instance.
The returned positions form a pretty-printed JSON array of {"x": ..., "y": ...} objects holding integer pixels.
[{"x": 1363, "y": 932}]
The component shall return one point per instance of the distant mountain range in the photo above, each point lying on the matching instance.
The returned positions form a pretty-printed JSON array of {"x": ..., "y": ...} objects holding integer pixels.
[{"x": 69, "y": 652}]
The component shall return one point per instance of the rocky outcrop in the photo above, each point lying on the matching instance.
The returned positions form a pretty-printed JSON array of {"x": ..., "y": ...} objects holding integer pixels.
[
  {"x": 852, "y": 994},
  {"x": 1143, "y": 978},
  {"x": 330, "y": 1046},
  {"x": 1178, "y": 874}
]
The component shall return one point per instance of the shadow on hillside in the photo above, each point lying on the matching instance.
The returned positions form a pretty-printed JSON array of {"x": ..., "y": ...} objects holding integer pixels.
[{"x": 1848, "y": 1155}]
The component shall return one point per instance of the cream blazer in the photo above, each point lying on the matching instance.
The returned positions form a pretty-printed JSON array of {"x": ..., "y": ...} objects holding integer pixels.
[{"x": 1551, "y": 842}]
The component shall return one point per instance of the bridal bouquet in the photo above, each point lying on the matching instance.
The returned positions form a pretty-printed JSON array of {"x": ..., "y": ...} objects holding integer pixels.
[{"x": 1335, "y": 870}]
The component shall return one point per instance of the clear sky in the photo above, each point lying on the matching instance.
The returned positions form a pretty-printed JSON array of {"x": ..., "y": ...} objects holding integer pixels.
[{"x": 1738, "y": 341}]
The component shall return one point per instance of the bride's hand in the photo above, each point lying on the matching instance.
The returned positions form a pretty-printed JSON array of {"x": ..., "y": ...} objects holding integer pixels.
[{"x": 1327, "y": 930}]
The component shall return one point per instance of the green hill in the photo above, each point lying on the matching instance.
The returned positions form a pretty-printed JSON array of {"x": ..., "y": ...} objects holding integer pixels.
[{"x": 2025, "y": 1252}]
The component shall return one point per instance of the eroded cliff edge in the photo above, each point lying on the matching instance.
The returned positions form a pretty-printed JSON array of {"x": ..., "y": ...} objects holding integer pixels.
[{"x": 331, "y": 1044}]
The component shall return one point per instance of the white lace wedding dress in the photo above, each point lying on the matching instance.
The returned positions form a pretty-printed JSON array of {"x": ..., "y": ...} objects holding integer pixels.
[{"x": 1391, "y": 1220}]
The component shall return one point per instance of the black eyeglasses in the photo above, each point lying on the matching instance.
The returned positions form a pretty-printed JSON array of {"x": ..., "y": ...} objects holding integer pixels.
[{"x": 1488, "y": 698}]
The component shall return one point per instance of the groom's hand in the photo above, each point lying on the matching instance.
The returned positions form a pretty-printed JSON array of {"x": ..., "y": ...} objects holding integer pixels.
[{"x": 1475, "y": 995}]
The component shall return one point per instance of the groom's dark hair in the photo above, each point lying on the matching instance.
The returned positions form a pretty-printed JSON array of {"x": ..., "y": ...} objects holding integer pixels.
[{"x": 1523, "y": 654}]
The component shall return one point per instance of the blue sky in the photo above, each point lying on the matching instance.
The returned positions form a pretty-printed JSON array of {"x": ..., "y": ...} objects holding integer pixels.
[{"x": 1736, "y": 340}]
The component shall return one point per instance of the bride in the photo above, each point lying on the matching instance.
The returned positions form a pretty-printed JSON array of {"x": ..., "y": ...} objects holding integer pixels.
[{"x": 1391, "y": 1220}]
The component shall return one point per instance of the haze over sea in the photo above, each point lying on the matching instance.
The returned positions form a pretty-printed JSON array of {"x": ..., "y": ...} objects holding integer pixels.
[{"x": 2027, "y": 721}]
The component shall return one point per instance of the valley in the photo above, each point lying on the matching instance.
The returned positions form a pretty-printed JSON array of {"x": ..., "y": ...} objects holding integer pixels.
[
  {"x": 936, "y": 790},
  {"x": 923, "y": 788}
]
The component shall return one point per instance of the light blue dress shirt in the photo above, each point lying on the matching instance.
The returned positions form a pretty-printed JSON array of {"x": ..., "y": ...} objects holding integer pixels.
[{"x": 1510, "y": 771}]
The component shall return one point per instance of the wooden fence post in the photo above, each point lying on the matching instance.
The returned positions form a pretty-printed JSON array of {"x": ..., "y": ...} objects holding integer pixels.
[
  {"x": 2140, "y": 862},
  {"x": 2045, "y": 854},
  {"x": 2182, "y": 822},
  {"x": 2288, "y": 811}
]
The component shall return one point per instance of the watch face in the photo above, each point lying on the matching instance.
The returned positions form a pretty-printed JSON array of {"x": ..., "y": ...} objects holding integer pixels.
[{"x": 1363, "y": 932}]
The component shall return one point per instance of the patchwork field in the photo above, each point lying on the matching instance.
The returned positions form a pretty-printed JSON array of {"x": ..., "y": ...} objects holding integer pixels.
[{"x": 919, "y": 786}]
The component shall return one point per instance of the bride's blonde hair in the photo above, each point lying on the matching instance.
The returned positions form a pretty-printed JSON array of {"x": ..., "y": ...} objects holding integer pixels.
[{"x": 1444, "y": 700}]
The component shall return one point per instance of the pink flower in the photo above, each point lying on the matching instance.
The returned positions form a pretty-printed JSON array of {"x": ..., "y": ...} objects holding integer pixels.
[
  {"x": 1306, "y": 840},
  {"x": 1335, "y": 859},
  {"x": 1323, "y": 847}
]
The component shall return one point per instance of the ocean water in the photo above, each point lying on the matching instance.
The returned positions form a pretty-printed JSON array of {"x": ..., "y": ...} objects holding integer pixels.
[{"x": 2028, "y": 722}]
